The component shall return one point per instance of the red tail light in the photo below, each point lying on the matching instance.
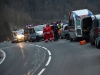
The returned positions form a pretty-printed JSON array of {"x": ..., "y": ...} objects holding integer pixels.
[{"x": 97, "y": 31}]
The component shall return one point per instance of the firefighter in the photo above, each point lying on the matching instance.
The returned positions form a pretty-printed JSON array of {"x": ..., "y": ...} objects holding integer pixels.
[
  {"x": 46, "y": 32},
  {"x": 51, "y": 33},
  {"x": 55, "y": 30},
  {"x": 59, "y": 27}
]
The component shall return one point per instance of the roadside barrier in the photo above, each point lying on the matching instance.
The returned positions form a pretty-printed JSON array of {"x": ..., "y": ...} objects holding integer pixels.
[{"x": 82, "y": 42}]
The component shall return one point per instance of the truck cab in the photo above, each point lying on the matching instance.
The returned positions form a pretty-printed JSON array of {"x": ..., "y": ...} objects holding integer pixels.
[
  {"x": 79, "y": 25},
  {"x": 30, "y": 34}
]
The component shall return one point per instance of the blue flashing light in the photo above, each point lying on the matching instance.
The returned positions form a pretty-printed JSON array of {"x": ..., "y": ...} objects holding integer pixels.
[
  {"x": 90, "y": 13},
  {"x": 76, "y": 16}
]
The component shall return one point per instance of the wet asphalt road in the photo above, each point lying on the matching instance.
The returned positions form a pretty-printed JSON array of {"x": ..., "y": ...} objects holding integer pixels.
[{"x": 67, "y": 58}]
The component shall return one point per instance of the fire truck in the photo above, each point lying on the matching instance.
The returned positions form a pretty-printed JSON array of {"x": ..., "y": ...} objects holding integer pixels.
[
  {"x": 79, "y": 24},
  {"x": 30, "y": 34}
]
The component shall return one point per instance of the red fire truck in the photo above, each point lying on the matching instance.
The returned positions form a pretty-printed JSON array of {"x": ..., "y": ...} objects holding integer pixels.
[{"x": 30, "y": 34}]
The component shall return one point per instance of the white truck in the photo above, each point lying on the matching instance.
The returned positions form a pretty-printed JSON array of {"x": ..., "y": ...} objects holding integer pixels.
[{"x": 79, "y": 24}]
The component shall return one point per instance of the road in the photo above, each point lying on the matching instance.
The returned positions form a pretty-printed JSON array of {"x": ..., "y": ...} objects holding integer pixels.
[{"x": 52, "y": 58}]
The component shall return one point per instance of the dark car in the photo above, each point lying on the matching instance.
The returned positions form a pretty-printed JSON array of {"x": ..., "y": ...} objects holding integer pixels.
[{"x": 95, "y": 29}]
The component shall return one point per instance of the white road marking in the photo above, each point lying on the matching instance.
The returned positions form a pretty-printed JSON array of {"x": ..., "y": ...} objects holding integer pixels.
[
  {"x": 49, "y": 52},
  {"x": 44, "y": 48},
  {"x": 37, "y": 45},
  {"x": 3, "y": 56},
  {"x": 48, "y": 61},
  {"x": 41, "y": 71}
]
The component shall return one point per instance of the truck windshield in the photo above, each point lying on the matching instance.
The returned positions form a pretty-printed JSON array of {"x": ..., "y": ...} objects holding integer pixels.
[
  {"x": 31, "y": 31},
  {"x": 77, "y": 22}
]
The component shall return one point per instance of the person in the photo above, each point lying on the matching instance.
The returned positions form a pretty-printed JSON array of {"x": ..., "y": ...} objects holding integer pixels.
[
  {"x": 46, "y": 32},
  {"x": 59, "y": 28},
  {"x": 59, "y": 25},
  {"x": 51, "y": 33},
  {"x": 55, "y": 30}
]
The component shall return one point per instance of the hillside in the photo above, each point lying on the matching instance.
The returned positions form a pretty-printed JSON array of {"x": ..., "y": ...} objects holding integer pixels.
[{"x": 18, "y": 13}]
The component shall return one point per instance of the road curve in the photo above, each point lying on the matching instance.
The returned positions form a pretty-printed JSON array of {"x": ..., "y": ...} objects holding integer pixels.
[
  {"x": 61, "y": 58},
  {"x": 71, "y": 58},
  {"x": 23, "y": 59}
]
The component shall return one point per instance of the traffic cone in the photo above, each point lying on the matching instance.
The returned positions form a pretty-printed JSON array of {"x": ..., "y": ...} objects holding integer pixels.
[{"x": 82, "y": 42}]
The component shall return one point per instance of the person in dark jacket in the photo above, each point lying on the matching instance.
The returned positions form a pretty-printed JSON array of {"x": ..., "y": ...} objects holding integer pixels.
[{"x": 55, "y": 30}]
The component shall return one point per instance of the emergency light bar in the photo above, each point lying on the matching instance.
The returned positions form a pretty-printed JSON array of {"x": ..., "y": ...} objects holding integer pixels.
[
  {"x": 81, "y": 16},
  {"x": 29, "y": 26}
]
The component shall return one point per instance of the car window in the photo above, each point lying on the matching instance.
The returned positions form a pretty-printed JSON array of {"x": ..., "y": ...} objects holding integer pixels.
[
  {"x": 38, "y": 28},
  {"x": 31, "y": 30}
]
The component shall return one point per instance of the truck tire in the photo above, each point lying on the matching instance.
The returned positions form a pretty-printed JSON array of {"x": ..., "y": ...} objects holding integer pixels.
[
  {"x": 97, "y": 43},
  {"x": 61, "y": 37},
  {"x": 67, "y": 36},
  {"x": 71, "y": 39},
  {"x": 37, "y": 38}
]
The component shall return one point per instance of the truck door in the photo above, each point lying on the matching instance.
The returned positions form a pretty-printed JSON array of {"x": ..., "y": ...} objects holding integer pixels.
[
  {"x": 78, "y": 28},
  {"x": 71, "y": 28}
]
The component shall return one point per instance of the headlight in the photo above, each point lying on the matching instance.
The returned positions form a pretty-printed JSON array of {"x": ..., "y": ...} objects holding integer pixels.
[{"x": 20, "y": 36}]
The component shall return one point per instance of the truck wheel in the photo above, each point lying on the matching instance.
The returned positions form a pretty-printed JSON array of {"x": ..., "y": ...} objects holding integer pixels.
[
  {"x": 97, "y": 43},
  {"x": 71, "y": 39},
  {"x": 67, "y": 37},
  {"x": 61, "y": 37},
  {"x": 37, "y": 38}
]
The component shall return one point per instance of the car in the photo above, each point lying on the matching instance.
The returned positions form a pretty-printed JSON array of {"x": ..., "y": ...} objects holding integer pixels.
[
  {"x": 64, "y": 32},
  {"x": 17, "y": 36},
  {"x": 39, "y": 31},
  {"x": 95, "y": 29}
]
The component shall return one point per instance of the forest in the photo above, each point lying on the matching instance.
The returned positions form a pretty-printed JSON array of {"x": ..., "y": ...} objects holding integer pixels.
[{"x": 18, "y": 13}]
